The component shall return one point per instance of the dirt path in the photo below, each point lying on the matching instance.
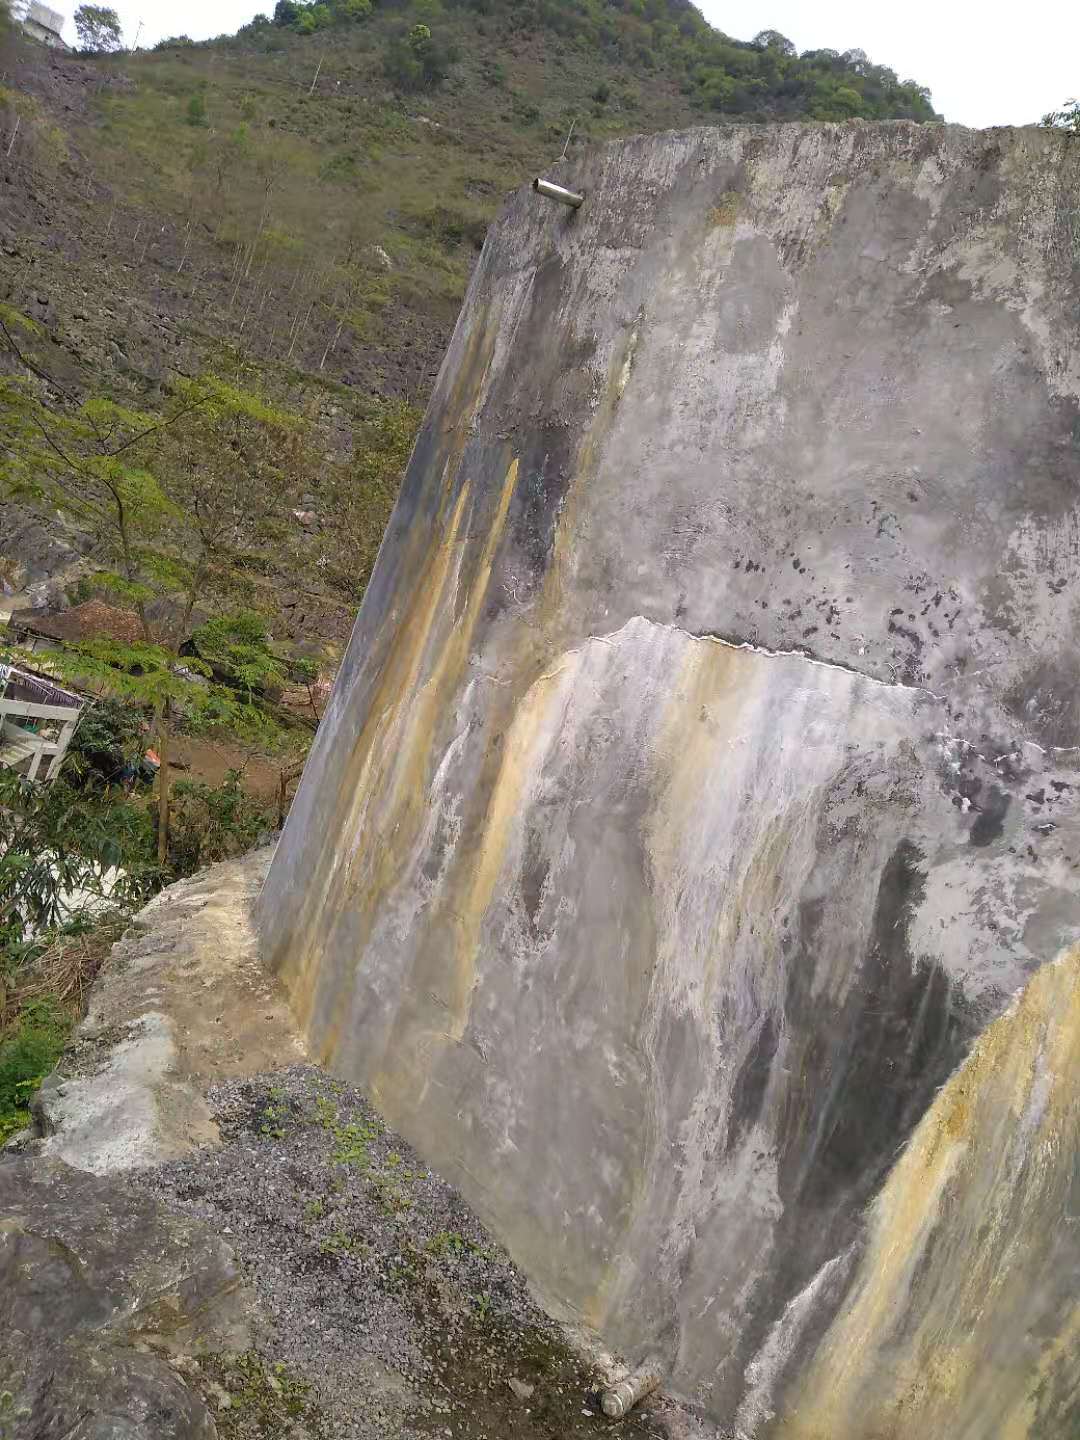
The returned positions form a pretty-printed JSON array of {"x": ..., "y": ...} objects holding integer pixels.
[{"x": 203, "y": 758}]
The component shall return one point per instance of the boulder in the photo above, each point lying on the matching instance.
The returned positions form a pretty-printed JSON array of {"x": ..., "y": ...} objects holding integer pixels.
[{"x": 102, "y": 1294}]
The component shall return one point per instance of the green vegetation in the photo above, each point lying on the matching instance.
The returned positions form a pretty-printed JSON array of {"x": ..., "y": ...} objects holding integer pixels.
[
  {"x": 98, "y": 29},
  {"x": 449, "y": 1244},
  {"x": 43, "y": 984},
  {"x": 1067, "y": 118},
  {"x": 63, "y": 838},
  {"x": 27, "y": 1054},
  {"x": 257, "y": 1399},
  {"x": 765, "y": 75},
  {"x": 169, "y": 499},
  {"x": 214, "y": 822}
]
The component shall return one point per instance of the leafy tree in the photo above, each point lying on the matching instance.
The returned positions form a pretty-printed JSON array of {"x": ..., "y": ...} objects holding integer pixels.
[
  {"x": 415, "y": 59},
  {"x": 107, "y": 746},
  {"x": 773, "y": 40},
  {"x": 214, "y": 823},
  {"x": 312, "y": 18},
  {"x": 168, "y": 500},
  {"x": 237, "y": 649},
  {"x": 196, "y": 109},
  {"x": 1067, "y": 118},
  {"x": 57, "y": 841},
  {"x": 286, "y": 12},
  {"x": 98, "y": 29}
]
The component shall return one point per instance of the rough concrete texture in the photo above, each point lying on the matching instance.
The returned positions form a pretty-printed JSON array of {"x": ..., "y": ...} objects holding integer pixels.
[
  {"x": 104, "y": 1295},
  {"x": 700, "y": 781},
  {"x": 182, "y": 1001}
]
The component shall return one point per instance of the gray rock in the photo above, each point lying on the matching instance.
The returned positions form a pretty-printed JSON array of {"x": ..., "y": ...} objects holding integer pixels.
[
  {"x": 101, "y": 1290},
  {"x": 181, "y": 1001}
]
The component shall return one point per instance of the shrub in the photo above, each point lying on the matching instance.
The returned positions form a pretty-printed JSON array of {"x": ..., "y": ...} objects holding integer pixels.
[
  {"x": 27, "y": 1054},
  {"x": 211, "y": 823},
  {"x": 108, "y": 746}
]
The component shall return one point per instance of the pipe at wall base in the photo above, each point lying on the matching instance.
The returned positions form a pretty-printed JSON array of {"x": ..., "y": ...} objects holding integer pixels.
[{"x": 621, "y": 1397}]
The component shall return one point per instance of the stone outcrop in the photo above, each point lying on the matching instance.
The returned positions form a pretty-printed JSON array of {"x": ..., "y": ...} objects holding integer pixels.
[
  {"x": 106, "y": 1295},
  {"x": 182, "y": 1001},
  {"x": 700, "y": 782},
  {"x": 103, "y": 1293}
]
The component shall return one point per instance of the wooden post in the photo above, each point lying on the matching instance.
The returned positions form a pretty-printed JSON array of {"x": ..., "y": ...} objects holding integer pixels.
[{"x": 163, "y": 783}]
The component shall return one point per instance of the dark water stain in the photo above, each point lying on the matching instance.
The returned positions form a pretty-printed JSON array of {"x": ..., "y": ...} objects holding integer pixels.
[
  {"x": 535, "y": 869},
  {"x": 870, "y": 1070},
  {"x": 854, "y": 1079},
  {"x": 751, "y": 1083},
  {"x": 990, "y": 821},
  {"x": 1046, "y": 699}
]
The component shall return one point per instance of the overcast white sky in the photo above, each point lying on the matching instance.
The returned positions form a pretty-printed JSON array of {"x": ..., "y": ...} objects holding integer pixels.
[{"x": 986, "y": 63}]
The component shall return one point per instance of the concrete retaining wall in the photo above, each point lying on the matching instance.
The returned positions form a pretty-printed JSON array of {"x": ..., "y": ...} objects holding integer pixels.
[{"x": 700, "y": 781}]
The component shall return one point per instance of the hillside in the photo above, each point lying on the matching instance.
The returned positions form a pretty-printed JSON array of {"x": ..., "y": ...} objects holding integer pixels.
[{"x": 305, "y": 201}]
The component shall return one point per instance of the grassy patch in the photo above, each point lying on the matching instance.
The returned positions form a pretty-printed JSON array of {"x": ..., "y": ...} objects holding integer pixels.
[
  {"x": 29, "y": 1050},
  {"x": 257, "y": 1399},
  {"x": 42, "y": 996}
]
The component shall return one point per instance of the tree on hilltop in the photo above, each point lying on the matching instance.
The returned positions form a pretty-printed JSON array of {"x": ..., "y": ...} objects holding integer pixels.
[
  {"x": 98, "y": 29},
  {"x": 1068, "y": 118}
]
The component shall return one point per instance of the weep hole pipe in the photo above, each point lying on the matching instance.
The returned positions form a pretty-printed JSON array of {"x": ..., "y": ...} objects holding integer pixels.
[
  {"x": 558, "y": 192},
  {"x": 617, "y": 1399}
]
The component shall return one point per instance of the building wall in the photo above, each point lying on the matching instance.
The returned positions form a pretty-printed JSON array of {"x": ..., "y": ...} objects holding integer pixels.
[
  {"x": 45, "y": 25},
  {"x": 699, "y": 785}
]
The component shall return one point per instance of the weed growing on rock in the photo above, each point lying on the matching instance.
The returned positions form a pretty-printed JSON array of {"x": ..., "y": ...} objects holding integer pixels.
[
  {"x": 258, "y": 1399},
  {"x": 27, "y": 1054}
]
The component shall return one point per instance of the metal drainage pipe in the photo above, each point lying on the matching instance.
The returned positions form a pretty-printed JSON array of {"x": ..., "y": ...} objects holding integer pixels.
[
  {"x": 619, "y": 1398},
  {"x": 558, "y": 192}
]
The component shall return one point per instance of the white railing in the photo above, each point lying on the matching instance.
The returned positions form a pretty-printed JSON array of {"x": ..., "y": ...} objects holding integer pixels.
[{"x": 37, "y": 720}]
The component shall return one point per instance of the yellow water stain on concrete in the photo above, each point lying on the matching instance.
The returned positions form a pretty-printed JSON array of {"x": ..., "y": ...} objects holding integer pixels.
[
  {"x": 381, "y": 797},
  {"x": 726, "y": 209},
  {"x": 389, "y": 787},
  {"x": 425, "y": 563},
  {"x": 708, "y": 710},
  {"x": 375, "y": 745},
  {"x": 504, "y": 807},
  {"x": 706, "y": 706},
  {"x": 932, "y": 1339}
]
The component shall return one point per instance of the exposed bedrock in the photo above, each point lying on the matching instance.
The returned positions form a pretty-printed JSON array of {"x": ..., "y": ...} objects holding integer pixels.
[{"x": 700, "y": 783}]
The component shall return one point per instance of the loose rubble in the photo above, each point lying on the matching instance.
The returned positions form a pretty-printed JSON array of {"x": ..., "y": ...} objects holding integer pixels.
[{"x": 389, "y": 1310}]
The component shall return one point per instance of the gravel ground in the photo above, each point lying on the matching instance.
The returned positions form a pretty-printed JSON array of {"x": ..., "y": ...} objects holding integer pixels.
[{"x": 390, "y": 1311}]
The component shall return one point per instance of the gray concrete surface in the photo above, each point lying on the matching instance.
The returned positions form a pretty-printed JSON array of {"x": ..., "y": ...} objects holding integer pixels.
[{"x": 700, "y": 781}]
